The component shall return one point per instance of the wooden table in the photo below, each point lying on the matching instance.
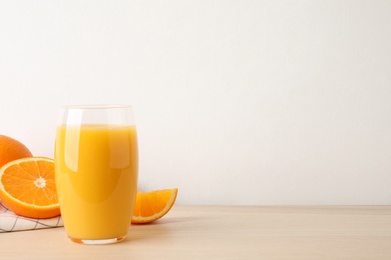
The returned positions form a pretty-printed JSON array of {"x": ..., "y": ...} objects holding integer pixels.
[{"x": 228, "y": 232}]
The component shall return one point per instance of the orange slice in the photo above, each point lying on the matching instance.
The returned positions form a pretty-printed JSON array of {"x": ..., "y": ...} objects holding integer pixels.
[
  {"x": 151, "y": 206},
  {"x": 27, "y": 187}
]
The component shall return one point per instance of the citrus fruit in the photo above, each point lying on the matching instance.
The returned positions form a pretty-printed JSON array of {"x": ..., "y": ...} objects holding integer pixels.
[
  {"x": 151, "y": 206},
  {"x": 27, "y": 187},
  {"x": 11, "y": 149}
]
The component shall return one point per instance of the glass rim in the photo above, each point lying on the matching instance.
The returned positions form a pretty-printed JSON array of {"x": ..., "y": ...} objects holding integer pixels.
[{"x": 96, "y": 106}]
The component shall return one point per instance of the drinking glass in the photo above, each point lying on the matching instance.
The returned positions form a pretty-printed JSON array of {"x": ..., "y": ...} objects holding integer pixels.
[{"x": 96, "y": 170}]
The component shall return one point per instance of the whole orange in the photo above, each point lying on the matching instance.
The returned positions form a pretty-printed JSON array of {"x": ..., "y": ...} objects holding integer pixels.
[{"x": 11, "y": 149}]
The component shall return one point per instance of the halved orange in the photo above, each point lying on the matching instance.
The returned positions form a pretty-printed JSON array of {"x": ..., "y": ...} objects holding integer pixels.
[
  {"x": 27, "y": 187},
  {"x": 153, "y": 205}
]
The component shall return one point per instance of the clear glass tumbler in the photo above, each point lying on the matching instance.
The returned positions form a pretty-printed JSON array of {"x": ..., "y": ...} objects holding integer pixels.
[{"x": 96, "y": 168}]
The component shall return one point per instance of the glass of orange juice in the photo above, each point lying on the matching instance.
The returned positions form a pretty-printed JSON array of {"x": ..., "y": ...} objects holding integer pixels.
[{"x": 96, "y": 169}]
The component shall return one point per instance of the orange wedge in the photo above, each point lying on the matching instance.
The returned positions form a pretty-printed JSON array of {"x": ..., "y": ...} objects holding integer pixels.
[
  {"x": 27, "y": 187},
  {"x": 151, "y": 206}
]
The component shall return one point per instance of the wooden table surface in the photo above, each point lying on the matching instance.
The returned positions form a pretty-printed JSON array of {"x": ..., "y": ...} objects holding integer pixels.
[{"x": 228, "y": 232}]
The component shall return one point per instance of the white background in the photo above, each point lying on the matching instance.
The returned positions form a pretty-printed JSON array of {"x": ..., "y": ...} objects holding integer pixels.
[{"x": 236, "y": 102}]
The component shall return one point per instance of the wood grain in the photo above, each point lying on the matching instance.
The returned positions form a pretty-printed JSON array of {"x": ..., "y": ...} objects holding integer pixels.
[{"x": 229, "y": 232}]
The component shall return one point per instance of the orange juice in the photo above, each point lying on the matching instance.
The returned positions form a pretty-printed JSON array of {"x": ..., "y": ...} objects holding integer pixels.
[{"x": 96, "y": 177}]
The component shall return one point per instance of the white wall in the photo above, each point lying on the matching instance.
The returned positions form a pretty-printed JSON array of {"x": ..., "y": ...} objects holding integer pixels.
[{"x": 237, "y": 102}]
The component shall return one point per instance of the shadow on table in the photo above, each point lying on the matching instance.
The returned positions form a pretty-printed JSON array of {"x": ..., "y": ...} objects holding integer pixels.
[{"x": 159, "y": 228}]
